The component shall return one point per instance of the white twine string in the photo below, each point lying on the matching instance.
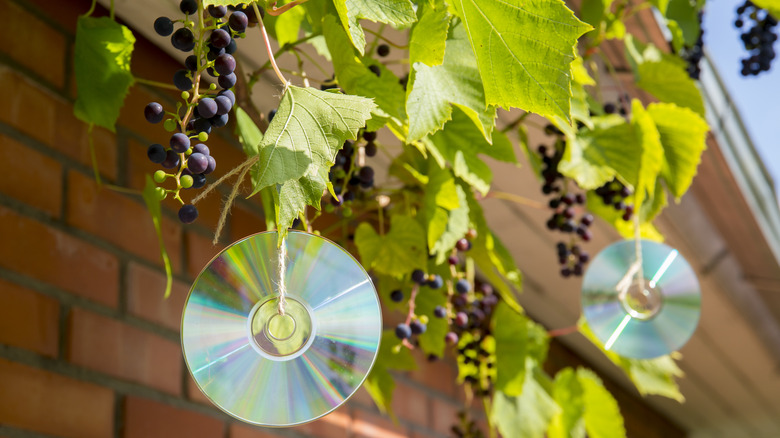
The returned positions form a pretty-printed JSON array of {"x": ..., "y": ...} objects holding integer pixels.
[
  {"x": 282, "y": 272},
  {"x": 638, "y": 249}
]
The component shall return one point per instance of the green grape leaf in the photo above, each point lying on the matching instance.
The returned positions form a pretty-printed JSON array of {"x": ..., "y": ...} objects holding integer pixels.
[
  {"x": 391, "y": 356},
  {"x": 288, "y": 25},
  {"x": 230, "y": 3},
  {"x": 626, "y": 228},
  {"x": 397, "y": 13},
  {"x": 602, "y": 414},
  {"x": 446, "y": 211},
  {"x": 523, "y": 51},
  {"x": 396, "y": 253},
  {"x": 648, "y": 166},
  {"x": 594, "y": 12},
  {"x": 101, "y": 61},
  {"x": 683, "y": 136},
  {"x": 685, "y": 15},
  {"x": 354, "y": 77},
  {"x": 461, "y": 142},
  {"x": 432, "y": 341},
  {"x": 663, "y": 76},
  {"x": 772, "y": 6},
  {"x": 517, "y": 338},
  {"x": 580, "y": 109},
  {"x": 456, "y": 81},
  {"x": 427, "y": 42},
  {"x": 380, "y": 386},
  {"x": 650, "y": 376},
  {"x": 152, "y": 201},
  {"x": 527, "y": 415},
  {"x": 492, "y": 258},
  {"x": 567, "y": 393}
]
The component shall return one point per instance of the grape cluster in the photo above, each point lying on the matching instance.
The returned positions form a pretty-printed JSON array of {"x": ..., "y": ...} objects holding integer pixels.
[
  {"x": 187, "y": 158},
  {"x": 348, "y": 178},
  {"x": 758, "y": 40},
  {"x": 616, "y": 194},
  {"x": 693, "y": 54}
]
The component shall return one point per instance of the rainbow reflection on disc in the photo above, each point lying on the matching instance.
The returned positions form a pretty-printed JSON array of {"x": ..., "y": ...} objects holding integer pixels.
[
  {"x": 638, "y": 322},
  {"x": 281, "y": 370}
]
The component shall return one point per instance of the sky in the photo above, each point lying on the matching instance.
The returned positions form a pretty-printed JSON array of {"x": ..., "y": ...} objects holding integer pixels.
[{"x": 756, "y": 97}]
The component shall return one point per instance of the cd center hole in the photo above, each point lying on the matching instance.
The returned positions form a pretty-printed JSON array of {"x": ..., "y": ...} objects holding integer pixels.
[
  {"x": 281, "y": 327},
  {"x": 642, "y": 303}
]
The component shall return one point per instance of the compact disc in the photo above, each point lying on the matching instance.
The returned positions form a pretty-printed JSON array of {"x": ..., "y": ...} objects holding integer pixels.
[
  {"x": 641, "y": 317},
  {"x": 274, "y": 369}
]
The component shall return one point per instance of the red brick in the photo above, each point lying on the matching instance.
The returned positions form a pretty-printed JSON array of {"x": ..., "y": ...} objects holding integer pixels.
[
  {"x": 411, "y": 404},
  {"x": 238, "y": 430},
  {"x": 337, "y": 424},
  {"x": 368, "y": 425},
  {"x": 115, "y": 348},
  {"x": 149, "y": 419},
  {"x": 43, "y": 50},
  {"x": 200, "y": 251},
  {"x": 439, "y": 376},
  {"x": 50, "y": 120},
  {"x": 444, "y": 415},
  {"x": 244, "y": 222},
  {"x": 66, "y": 13},
  {"x": 120, "y": 220},
  {"x": 31, "y": 248},
  {"x": 146, "y": 296},
  {"x": 48, "y": 403},
  {"x": 362, "y": 397},
  {"x": 28, "y": 319},
  {"x": 30, "y": 176}
]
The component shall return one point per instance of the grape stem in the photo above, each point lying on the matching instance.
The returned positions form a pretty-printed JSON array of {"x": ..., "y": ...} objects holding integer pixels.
[
  {"x": 412, "y": 298},
  {"x": 563, "y": 331},
  {"x": 273, "y": 10},
  {"x": 486, "y": 407},
  {"x": 514, "y": 198},
  {"x": 383, "y": 38},
  {"x": 254, "y": 75},
  {"x": 268, "y": 48},
  {"x": 240, "y": 168},
  {"x": 155, "y": 83}
]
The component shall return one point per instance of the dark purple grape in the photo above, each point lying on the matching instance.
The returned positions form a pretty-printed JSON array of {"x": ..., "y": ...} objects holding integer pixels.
[
  {"x": 219, "y": 121},
  {"x": 271, "y": 115},
  {"x": 453, "y": 260},
  {"x": 163, "y": 26},
  {"x": 225, "y": 64},
  {"x": 201, "y": 125},
  {"x": 383, "y": 50},
  {"x": 375, "y": 69},
  {"x": 462, "y": 286},
  {"x": 418, "y": 276},
  {"x": 154, "y": 112},
  {"x": 568, "y": 199},
  {"x": 232, "y": 47},
  {"x": 486, "y": 289},
  {"x": 156, "y": 153},
  {"x": 191, "y": 63},
  {"x": 220, "y": 38},
  {"x": 188, "y": 213},
  {"x": 417, "y": 327},
  {"x": 188, "y": 7},
  {"x": 198, "y": 181},
  {"x": 230, "y": 95},
  {"x": 587, "y": 220},
  {"x": 397, "y": 296},
  {"x": 181, "y": 81},
  {"x": 577, "y": 269},
  {"x": 238, "y": 21},
  {"x": 224, "y": 104},
  {"x": 370, "y": 149},
  {"x": 197, "y": 162},
  {"x": 217, "y": 11},
  {"x": 227, "y": 81},
  {"x": 207, "y": 107},
  {"x": 183, "y": 39},
  {"x": 171, "y": 160},
  {"x": 579, "y": 198},
  {"x": 439, "y": 312},
  {"x": 463, "y": 244},
  {"x": 213, "y": 54},
  {"x": 609, "y": 108},
  {"x": 403, "y": 331},
  {"x": 584, "y": 257},
  {"x": 212, "y": 165},
  {"x": 568, "y": 213},
  {"x": 451, "y": 338},
  {"x": 366, "y": 174},
  {"x": 461, "y": 319},
  {"x": 201, "y": 148},
  {"x": 436, "y": 282},
  {"x": 565, "y": 271},
  {"x": 180, "y": 143}
]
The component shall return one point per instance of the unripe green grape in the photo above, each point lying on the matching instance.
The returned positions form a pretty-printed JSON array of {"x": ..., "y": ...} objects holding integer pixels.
[
  {"x": 212, "y": 86},
  {"x": 185, "y": 94},
  {"x": 188, "y": 152},
  {"x": 186, "y": 181},
  {"x": 203, "y": 136},
  {"x": 329, "y": 208},
  {"x": 169, "y": 125},
  {"x": 159, "y": 176},
  {"x": 160, "y": 192},
  {"x": 346, "y": 211}
]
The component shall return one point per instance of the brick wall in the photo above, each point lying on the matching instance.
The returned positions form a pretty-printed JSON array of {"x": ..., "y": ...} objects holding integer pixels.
[{"x": 88, "y": 346}]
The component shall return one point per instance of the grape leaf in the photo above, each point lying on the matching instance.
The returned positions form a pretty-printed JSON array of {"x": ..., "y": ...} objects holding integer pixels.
[
  {"x": 380, "y": 383},
  {"x": 772, "y": 6},
  {"x": 527, "y": 415},
  {"x": 446, "y": 211},
  {"x": 432, "y": 341},
  {"x": 683, "y": 136},
  {"x": 602, "y": 414},
  {"x": 685, "y": 15},
  {"x": 396, "y": 253},
  {"x": 152, "y": 201},
  {"x": 650, "y": 376},
  {"x": 567, "y": 393},
  {"x": 456, "y": 81},
  {"x": 398, "y": 13},
  {"x": 580, "y": 110},
  {"x": 461, "y": 142},
  {"x": 260, "y": 3},
  {"x": 354, "y": 77},
  {"x": 517, "y": 338},
  {"x": 288, "y": 25},
  {"x": 101, "y": 58},
  {"x": 625, "y": 228},
  {"x": 523, "y": 51},
  {"x": 427, "y": 41}
]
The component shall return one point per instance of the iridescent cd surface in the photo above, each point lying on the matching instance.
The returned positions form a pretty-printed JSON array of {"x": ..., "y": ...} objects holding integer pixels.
[
  {"x": 273, "y": 370},
  {"x": 641, "y": 322}
]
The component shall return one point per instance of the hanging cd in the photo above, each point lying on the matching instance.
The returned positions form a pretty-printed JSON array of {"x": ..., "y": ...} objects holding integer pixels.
[
  {"x": 641, "y": 316},
  {"x": 273, "y": 369}
]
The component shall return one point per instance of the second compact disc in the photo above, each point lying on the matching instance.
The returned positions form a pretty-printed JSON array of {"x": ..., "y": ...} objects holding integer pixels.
[
  {"x": 281, "y": 369},
  {"x": 641, "y": 316}
]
